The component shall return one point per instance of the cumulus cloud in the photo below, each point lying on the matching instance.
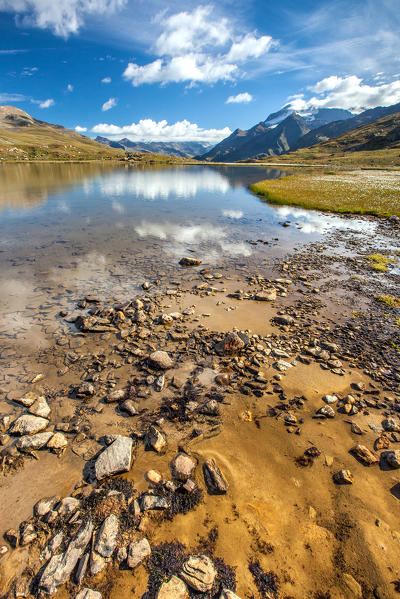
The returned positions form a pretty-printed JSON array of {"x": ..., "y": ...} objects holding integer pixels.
[
  {"x": 109, "y": 104},
  {"x": 62, "y": 17},
  {"x": 80, "y": 129},
  {"x": 198, "y": 47},
  {"x": 106, "y": 80},
  {"x": 243, "y": 98},
  {"x": 9, "y": 98},
  {"x": 44, "y": 103},
  {"x": 348, "y": 92},
  {"x": 70, "y": 88},
  {"x": 149, "y": 130}
]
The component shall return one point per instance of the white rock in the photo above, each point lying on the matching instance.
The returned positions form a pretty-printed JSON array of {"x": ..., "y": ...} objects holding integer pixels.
[
  {"x": 138, "y": 552},
  {"x": 27, "y": 424},
  {"x": 107, "y": 536},
  {"x": 116, "y": 458}
]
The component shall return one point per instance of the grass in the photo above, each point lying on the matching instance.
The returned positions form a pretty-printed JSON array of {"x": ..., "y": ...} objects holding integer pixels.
[
  {"x": 351, "y": 192},
  {"x": 389, "y": 300},
  {"x": 379, "y": 262}
]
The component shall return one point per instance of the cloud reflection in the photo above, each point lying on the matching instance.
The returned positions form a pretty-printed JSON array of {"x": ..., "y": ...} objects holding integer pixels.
[{"x": 319, "y": 222}]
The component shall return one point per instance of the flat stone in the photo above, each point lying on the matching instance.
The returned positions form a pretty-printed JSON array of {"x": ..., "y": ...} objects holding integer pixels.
[
  {"x": 68, "y": 505},
  {"x": 326, "y": 412},
  {"x": 33, "y": 442},
  {"x": 266, "y": 296},
  {"x": 214, "y": 479},
  {"x": 343, "y": 477},
  {"x": 129, "y": 407},
  {"x": 60, "y": 567},
  {"x": 231, "y": 344},
  {"x": 107, "y": 536},
  {"x": 285, "y": 319},
  {"x": 353, "y": 586},
  {"x": 57, "y": 441},
  {"x": 88, "y": 594},
  {"x": 116, "y": 395},
  {"x": 188, "y": 261},
  {"x": 182, "y": 466},
  {"x": 160, "y": 359},
  {"x": 329, "y": 399},
  {"x": 40, "y": 408},
  {"x": 28, "y": 399},
  {"x": 97, "y": 563},
  {"x": 175, "y": 588},
  {"x": 199, "y": 573},
  {"x": 116, "y": 458},
  {"x": 153, "y": 502},
  {"x": 27, "y": 424},
  {"x": 138, "y": 552}
]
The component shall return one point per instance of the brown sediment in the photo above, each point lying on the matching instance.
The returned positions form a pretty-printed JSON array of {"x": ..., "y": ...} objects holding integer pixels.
[{"x": 316, "y": 537}]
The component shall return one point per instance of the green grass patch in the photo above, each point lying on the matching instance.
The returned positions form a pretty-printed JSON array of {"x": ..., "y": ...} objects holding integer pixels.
[
  {"x": 379, "y": 262},
  {"x": 389, "y": 300},
  {"x": 351, "y": 192}
]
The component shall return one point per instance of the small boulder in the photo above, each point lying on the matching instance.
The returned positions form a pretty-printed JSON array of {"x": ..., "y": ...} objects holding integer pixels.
[
  {"x": 188, "y": 261},
  {"x": 129, "y": 407},
  {"x": 88, "y": 594},
  {"x": 326, "y": 412},
  {"x": 160, "y": 359},
  {"x": 364, "y": 455},
  {"x": 182, "y": 466},
  {"x": 34, "y": 442},
  {"x": 155, "y": 439},
  {"x": 40, "y": 408},
  {"x": 343, "y": 477},
  {"x": 116, "y": 458},
  {"x": 45, "y": 505},
  {"x": 199, "y": 573},
  {"x": 231, "y": 344},
  {"x": 214, "y": 479},
  {"x": 27, "y": 424},
  {"x": 138, "y": 552},
  {"x": 107, "y": 536},
  {"x": 392, "y": 458},
  {"x": 175, "y": 588}
]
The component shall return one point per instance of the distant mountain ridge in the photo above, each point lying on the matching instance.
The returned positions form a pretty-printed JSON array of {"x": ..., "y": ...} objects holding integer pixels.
[
  {"x": 182, "y": 149},
  {"x": 22, "y": 137},
  {"x": 287, "y": 130}
]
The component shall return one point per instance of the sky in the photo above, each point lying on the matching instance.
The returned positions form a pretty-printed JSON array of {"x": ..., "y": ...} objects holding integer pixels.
[{"x": 187, "y": 70}]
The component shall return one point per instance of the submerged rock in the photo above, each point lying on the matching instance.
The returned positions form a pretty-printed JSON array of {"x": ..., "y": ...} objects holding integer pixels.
[
  {"x": 199, "y": 573},
  {"x": 116, "y": 458},
  {"x": 214, "y": 479},
  {"x": 188, "y": 261},
  {"x": 182, "y": 466}
]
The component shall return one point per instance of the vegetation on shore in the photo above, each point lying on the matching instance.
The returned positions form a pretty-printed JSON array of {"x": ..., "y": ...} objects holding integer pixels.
[
  {"x": 352, "y": 192},
  {"x": 379, "y": 262}
]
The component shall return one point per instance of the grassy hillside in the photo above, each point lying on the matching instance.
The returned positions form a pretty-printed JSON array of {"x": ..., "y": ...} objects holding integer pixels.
[
  {"x": 25, "y": 138},
  {"x": 374, "y": 144}
]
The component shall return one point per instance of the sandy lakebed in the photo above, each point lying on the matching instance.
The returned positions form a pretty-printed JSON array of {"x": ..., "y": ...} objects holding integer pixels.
[{"x": 216, "y": 429}]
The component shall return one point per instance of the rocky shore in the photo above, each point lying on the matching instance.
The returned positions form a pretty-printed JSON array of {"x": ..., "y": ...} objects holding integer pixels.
[{"x": 179, "y": 453}]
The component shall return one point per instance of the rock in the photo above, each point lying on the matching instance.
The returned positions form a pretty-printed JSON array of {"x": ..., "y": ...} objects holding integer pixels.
[
  {"x": 160, "y": 359},
  {"x": 60, "y": 567},
  {"x": 182, "y": 466},
  {"x": 88, "y": 594},
  {"x": 34, "y": 442},
  {"x": 343, "y": 477},
  {"x": 159, "y": 383},
  {"x": 199, "y": 573},
  {"x": 153, "y": 476},
  {"x": 329, "y": 399},
  {"x": 28, "y": 535},
  {"x": 232, "y": 343},
  {"x": 28, "y": 399},
  {"x": 364, "y": 455},
  {"x": 57, "y": 441},
  {"x": 85, "y": 390},
  {"x": 155, "y": 439},
  {"x": 97, "y": 563},
  {"x": 40, "y": 408},
  {"x": 153, "y": 502},
  {"x": 129, "y": 407},
  {"x": 138, "y": 552},
  {"x": 122, "y": 554},
  {"x": 116, "y": 458},
  {"x": 285, "y": 319},
  {"x": 22, "y": 587},
  {"x": 175, "y": 588},
  {"x": 381, "y": 443},
  {"x": 282, "y": 365},
  {"x": 268, "y": 296},
  {"x": 82, "y": 569},
  {"x": 107, "y": 536},
  {"x": 356, "y": 429},
  {"x": 223, "y": 379},
  {"x": 116, "y": 395},
  {"x": 188, "y": 261},
  {"x": 45, "y": 505},
  {"x": 353, "y": 586},
  {"x": 68, "y": 506},
  {"x": 12, "y": 536},
  {"x": 214, "y": 479},
  {"x": 27, "y": 424},
  {"x": 3, "y": 550},
  {"x": 326, "y": 412},
  {"x": 52, "y": 546},
  {"x": 392, "y": 458},
  {"x": 227, "y": 594},
  {"x": 390, "y": 425}
]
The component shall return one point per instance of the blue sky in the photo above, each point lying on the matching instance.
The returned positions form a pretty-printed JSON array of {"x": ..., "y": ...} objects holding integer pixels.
[{"x": 156, "y": 70}]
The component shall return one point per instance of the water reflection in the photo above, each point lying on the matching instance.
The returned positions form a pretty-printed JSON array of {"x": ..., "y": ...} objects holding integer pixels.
[{"x": 309, "y": 221}]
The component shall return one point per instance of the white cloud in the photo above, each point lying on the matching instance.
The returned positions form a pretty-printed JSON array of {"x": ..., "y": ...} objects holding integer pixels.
[
  {"x": 63, "y": 17},
  {"x": 70, "y": 88},
  {"x": 46, "y": 103},
  {"x": 348, "y": 92},
  {"x": 243, "y": 98},
  {"x": 198, "y": 47},
  {"x": 109, "y": 104},
  {"x": 149, "y": 130},
  {"x": 80, "y": 129},
  {"x": 106, "y": 80},
  {"x": 4, "y": 97},
  {"x": 29, "y": 71}
]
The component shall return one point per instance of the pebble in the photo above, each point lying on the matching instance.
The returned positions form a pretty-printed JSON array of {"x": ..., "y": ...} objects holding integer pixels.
[
  {"x": 182, "y": 466},
  {"x": 343, "y": 477}
]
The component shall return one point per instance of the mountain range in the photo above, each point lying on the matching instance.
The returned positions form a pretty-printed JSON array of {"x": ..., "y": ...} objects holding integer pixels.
[
  {"x": 181, "y": 149},
  {"x": 287, "y": 130}
]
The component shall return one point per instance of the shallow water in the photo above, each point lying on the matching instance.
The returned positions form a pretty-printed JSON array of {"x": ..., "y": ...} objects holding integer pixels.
[{"x": 70, "y": 229}]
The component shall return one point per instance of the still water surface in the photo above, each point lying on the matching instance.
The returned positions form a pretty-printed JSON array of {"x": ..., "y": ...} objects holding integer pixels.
[{"x": 70, "y": 229}]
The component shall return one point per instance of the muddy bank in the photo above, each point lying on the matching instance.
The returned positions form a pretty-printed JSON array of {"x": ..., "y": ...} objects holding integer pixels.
[{"x": 272, "y": 386}]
